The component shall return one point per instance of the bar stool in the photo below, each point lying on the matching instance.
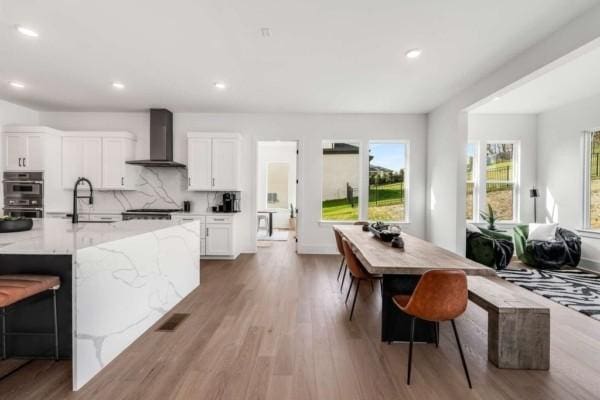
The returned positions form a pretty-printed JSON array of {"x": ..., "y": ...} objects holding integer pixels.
[
  {"x": 440, "y": 295},
  {"x": 14, "y": 288}
]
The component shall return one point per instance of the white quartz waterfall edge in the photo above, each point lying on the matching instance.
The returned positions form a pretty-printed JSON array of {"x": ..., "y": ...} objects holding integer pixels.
[{"x": 121, "y": 288}]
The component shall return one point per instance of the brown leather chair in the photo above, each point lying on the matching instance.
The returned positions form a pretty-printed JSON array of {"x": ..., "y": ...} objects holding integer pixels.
[
  {"x": 14, "y": 288},
  {"x": 338, "y": 242},
  {"x": 357, "y": 273},
  {"x": 440, "y": 295}
]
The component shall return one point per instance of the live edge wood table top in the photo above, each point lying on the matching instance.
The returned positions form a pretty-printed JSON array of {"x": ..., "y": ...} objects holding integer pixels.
[{"x": 418, "y": 256}]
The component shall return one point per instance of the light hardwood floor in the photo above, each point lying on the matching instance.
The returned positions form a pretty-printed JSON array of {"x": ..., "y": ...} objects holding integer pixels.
[{"x": 274, "y": 326}]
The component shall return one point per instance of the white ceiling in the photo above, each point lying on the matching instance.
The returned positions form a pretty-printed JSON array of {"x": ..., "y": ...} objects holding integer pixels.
[
  {"x": 322, "y": 56},
  {"x": 575, "y": 80}
]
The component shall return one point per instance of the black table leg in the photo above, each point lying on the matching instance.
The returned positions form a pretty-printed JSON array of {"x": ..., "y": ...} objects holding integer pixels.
[
  {"x": 270, "y": 224},
  {"x": 395, "y": 325}
]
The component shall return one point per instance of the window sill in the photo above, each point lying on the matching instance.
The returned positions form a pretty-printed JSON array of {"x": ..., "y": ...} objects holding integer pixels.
[
  {"x": 589, "y": 233},
  {"x": 329, "y": 223}
]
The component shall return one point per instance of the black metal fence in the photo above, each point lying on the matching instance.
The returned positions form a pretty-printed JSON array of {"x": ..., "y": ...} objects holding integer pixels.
[
  {"x": 595, "y": 166},
  {"x": 499, "y": 173}
]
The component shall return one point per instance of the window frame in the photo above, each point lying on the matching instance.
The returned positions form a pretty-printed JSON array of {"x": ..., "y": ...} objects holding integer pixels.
[
  {"x": 587, "y": 179},
  {"x": 516, "y": 217},
  {"x": 363, "y": 177},
  {"x": 475, "y": 180}
]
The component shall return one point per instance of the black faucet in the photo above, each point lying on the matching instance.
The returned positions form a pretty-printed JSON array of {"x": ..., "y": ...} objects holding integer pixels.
[{"x": 75, "y": 217}]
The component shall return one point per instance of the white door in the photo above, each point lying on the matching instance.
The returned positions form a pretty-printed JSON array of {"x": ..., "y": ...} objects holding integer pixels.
[
  {"x": 113, "y": 163},
  {"x": 72, "y": 161},
  {"x": 15, "y": 151},
  {"x": 219, "y": 240},
  {"x": 92, "y": 160},
  {"x": 34, "y": 160},
  {"x": 199, "y": 164},
  {"x": 225, "y": 164}
]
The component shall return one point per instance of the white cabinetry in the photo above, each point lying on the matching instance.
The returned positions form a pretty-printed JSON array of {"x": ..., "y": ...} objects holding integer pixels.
[
  {"x": 213, "y": 161},
  {"x": 100, "y": 157},
  {"x": 23, "y": 152},
  {"x": 216, "y": 234}
]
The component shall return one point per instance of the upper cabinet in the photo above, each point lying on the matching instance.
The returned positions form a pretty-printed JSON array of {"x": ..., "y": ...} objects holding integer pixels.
[
  {"x": 23, "y": 150},
  {"x": 213, "y": 161},
  {"x": 100, "y": 157}
]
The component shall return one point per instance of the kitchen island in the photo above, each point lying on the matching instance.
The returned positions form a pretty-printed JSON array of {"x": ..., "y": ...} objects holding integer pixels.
[{"x": 117, "y": 280}]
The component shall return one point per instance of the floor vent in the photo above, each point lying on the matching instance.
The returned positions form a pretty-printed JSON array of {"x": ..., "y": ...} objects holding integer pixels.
[{"x": 172, "y": 322}]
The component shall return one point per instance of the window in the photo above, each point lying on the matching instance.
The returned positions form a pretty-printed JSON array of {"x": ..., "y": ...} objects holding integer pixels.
[
  {"x": 341, "y": 178},
  {"x": 472, "y": 177},
  {"x": 387, "y": 183},
  {"x": 592, "y": 181},
  {"x": 277, "y": 185},
  {"x": 500, "y": 179}
]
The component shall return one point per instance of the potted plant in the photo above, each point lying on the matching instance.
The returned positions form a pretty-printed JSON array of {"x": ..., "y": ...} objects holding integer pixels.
[{"x": 489, "y": 217}]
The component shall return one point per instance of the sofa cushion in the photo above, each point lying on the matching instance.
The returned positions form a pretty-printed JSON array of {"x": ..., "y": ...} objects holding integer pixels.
[
  {"x": 473, "y": 228},
  {"x": 542, "y": 232}
]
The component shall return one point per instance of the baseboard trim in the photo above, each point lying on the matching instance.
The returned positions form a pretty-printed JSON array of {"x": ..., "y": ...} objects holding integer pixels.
[
  {"x": 312, "y": 249},
  {"x": 589, "y": 264}
]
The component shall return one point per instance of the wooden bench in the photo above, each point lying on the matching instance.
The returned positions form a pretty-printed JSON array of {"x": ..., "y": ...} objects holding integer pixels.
[{"x": 518, "y": 328}]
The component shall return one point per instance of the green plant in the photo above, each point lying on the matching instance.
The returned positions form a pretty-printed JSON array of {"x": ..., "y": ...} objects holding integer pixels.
[{"x": 489, "y": 217}]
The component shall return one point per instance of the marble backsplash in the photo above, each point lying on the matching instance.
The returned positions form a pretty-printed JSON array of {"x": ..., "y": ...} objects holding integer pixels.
[{"x": 155, "y": 188}]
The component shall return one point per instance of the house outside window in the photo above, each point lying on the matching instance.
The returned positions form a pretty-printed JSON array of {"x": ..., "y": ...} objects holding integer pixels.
[
  {"x": 387, "y": 181},
  {"x": 341, "y": 180}
]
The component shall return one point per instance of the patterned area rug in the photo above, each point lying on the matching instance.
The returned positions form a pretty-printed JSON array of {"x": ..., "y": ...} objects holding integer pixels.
[{"x": 572, "y": 288}]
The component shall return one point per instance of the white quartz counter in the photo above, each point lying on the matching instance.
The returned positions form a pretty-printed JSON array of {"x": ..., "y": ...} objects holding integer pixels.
[{"x": 59, "y": 236}]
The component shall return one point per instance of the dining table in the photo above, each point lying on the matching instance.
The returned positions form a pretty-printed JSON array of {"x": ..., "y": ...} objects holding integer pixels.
[{"x": 401, "y": 270}]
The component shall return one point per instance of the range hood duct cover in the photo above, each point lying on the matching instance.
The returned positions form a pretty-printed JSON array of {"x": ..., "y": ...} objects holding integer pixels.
[{"x": 161, "y": 140}]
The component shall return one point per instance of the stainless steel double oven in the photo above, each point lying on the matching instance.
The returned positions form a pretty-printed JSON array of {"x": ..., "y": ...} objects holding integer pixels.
[{"x": 23, "y": 194}]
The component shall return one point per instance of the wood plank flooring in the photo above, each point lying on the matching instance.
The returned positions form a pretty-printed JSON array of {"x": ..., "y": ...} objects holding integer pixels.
[{"x": 274, "y": 326}]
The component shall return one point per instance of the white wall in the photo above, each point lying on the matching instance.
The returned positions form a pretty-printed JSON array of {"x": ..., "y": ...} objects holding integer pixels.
[
  {"x": 308, "y": 129},
  {"x": 276, "y": 152},
  {"x": 517, "y": 127},
  {"x": 560, "y": 168},
  {"x": 448, "y": 125}
]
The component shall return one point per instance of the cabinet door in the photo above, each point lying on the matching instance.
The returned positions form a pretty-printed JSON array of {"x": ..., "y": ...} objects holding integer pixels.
[
  {"x": 15, "y": 151},
  {"x": 113, "y": 163},
  {"x": 219, "y": 240},
  {"x": 225, "y": 164},
  {"x": 72, "y": 161},
  {"x": 92, "y": 160},
  {"x": 199, "y": 164},
  {"x": 34, "y": 159}
]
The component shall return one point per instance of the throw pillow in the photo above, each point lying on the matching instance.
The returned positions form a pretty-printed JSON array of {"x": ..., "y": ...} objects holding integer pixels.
[
  {"x": 473, "y": 228},
  {"x": 542, "y": 232}
]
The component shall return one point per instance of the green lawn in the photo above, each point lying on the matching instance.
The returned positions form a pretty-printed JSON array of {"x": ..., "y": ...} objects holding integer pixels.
[{"x": 385, "y": 204}]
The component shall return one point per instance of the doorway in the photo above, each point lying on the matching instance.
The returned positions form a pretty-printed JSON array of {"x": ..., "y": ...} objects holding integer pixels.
[{"x": 276, "y": 192}]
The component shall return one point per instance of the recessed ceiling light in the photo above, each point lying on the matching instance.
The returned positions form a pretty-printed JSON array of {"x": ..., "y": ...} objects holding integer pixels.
[
  {"x": 27, "y": 31},
  {"x": 17, "y": 85},
  {"x": 413, "y": 53},
  {"x": 118, "y": 85},
  {"x": 221, "y": 85}
]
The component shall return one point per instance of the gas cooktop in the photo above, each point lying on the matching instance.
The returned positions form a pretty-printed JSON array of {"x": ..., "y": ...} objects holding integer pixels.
[
  {"x": 149, "y": 213},
  {"x": 154, "y": 210}
]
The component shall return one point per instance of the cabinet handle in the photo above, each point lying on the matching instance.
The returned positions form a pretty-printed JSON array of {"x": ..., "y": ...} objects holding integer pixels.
[
  {"x": 213, "y": 181},
  {"x": 219, "y": 219},
  {"x": 122, "y": 181},
  {"x": 19, "y": 161},
  {"x": 207, "y": 232},
  {"x": 24, "y": 162},
  {"x": 106, "y": 218},
  {"x": 189, "y": 181}
]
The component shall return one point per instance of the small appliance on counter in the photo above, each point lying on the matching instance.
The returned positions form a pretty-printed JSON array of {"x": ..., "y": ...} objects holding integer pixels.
[
  {"x": 231, "y": 202},
  {"x": 187, "y": 206},
  {"x": 23, "y": 194}
]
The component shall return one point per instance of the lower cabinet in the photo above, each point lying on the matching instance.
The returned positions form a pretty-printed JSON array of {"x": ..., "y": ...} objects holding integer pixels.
[{"x": 216, "y": 235}]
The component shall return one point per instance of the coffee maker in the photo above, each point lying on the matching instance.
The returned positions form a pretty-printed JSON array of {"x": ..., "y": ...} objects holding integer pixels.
[{"x": 231, "y": 202}]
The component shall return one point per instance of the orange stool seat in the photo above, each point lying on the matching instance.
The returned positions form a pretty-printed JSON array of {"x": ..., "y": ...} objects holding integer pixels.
[{"x": 14, "y": 288}]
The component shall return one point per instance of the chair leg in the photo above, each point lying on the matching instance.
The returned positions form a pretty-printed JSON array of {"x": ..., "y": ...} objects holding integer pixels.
[
  {"x": 410, "y": 348},
  {"x": 55, "y": 325},
  {"x": 340, "y": 270},
  {"x": 354, "y": 301},
  {"x": 437, "y": 334},
  {"x": 462, "y": 357},
  {"x": 343, "y": 278},
  {"x": 349, "y": 289},
  {"x": 372, "y": 287},
  {"x": 4, "y": 333}
]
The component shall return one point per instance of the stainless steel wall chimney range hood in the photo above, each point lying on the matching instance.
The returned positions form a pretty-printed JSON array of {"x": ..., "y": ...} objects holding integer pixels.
[{"x": 161, "y": 140}]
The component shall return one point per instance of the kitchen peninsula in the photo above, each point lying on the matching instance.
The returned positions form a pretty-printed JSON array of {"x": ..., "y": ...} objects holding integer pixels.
[{"x": 117, "y": 280}]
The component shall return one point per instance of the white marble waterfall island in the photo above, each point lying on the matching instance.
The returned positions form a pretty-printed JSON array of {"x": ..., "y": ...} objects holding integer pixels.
[{"x": 117, "y": 280}]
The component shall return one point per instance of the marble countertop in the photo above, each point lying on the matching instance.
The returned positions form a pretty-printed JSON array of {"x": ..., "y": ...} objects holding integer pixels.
[{"x": 60, "y": 236}]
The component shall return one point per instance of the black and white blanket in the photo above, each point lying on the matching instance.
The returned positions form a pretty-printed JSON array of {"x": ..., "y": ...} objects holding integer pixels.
[{"x": 572, "y": 288}]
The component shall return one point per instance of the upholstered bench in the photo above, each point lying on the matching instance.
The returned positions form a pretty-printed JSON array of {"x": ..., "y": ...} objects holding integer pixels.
[{"x": 15, "y": 288}]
